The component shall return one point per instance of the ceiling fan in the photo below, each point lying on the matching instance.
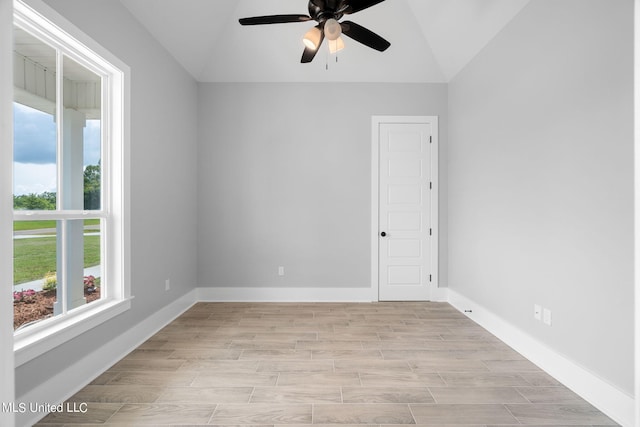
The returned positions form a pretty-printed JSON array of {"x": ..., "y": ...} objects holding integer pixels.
[{"x": 327, "y": 13}]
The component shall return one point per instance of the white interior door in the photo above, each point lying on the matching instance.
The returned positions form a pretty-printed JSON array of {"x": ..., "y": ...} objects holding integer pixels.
[{"x": 405, "y": 211}]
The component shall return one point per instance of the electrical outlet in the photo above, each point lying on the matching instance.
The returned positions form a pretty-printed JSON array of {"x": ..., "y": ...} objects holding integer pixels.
[
  {"x": 537, "y": 312},
  {"x": 167, "y": 285},
  {"x": 546, "y": 316},
  {"x": 280, "y": 271}
]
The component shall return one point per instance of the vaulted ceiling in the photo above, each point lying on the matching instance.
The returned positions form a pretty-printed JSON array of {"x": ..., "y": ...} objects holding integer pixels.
[{"x": 431, "y": 40}]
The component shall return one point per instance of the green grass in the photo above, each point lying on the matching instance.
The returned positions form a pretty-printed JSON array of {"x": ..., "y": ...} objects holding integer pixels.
[
  {"x": 37, "y": 225},
  {"x": 33, "y": 258}
]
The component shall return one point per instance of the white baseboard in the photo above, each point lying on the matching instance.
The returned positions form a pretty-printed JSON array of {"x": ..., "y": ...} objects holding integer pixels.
[
  {"x": 68, "y": 382},
  {"x": 272, "y": 294},
  {"x": 269, "y": 294},
  {"x": 611, "y": 401},
  {"x": 607, "y": 398}
]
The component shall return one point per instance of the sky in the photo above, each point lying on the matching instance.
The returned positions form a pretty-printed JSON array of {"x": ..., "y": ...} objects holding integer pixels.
[{"x": 34, "y": 166}]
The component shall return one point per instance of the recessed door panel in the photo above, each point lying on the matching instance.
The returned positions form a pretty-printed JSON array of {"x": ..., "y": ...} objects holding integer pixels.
[
  {"x": 405, "y": 167},
  {"x": 405, "y": 248},
  {"x": 405, "y": 195},
  {"x": 404, "y": 221},
  {"x": 403, "y": 142},
  {"x": 405, "y": 275}
]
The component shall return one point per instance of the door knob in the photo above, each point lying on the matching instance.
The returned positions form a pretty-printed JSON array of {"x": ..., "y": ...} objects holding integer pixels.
[{"x": 383, "y": 234}]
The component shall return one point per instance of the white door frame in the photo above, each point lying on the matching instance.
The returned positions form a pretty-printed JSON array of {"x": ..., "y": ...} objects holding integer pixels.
[{"x": 376, "y": 121}]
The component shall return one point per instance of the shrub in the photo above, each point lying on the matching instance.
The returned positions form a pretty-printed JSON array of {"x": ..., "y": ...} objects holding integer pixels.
[
  {"x": 50, "y": 281},
  {"x": 24, "y": 296},
  {"x": 91, "y": 283}
]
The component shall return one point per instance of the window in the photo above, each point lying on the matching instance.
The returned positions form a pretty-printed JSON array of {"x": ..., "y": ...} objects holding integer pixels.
[{"x": 70, "y": 184}]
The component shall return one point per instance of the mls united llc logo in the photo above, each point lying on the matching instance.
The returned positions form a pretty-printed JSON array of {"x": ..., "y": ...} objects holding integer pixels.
[{"x": 23, "y": 407}]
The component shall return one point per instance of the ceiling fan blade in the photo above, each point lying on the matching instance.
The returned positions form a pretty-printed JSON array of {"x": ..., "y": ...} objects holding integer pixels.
[
  {"x": 309, "y": 54},
  {"x": 364, "y": 36},
  {"x": 358, "y": 5},
  {"x": 274, "y": 19}
]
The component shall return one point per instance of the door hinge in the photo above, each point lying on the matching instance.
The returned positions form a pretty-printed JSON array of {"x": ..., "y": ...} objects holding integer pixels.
[
  {"x": 430, "y": 278},
  {"x": 431, "y": 232},
  {"x": 430, "y": 139},
  {"x": 431, "y": 186}
]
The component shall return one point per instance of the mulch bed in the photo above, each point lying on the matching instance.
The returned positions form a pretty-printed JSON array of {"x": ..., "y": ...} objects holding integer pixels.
[{"x": 40, "y": 306}]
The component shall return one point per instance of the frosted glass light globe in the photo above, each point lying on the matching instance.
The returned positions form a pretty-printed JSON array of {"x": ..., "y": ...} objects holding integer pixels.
[
  {"x": 313, "y": 38},
  {"x": 336, "y": 45},
  {"x": 332, "y": 29}
]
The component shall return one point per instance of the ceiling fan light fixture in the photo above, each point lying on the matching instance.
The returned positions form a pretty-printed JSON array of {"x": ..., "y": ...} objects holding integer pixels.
[
  {"x": 312, "y": 38},
  {"x": 336, "y": 45},
  {"x": 327, "y": 13},
  {"x": 332, "y": 29}
]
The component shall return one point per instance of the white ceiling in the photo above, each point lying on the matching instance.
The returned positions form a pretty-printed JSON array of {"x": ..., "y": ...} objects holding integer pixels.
[{"x": 431, "y": 40}]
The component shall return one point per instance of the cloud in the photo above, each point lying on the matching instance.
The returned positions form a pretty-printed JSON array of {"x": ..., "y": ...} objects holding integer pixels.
[
  {"x": 34, "y": 166},
  {"x": 92, "y": 144},
  {"x": 33, "y": 178},
  {"x": 34, "y": 139}
]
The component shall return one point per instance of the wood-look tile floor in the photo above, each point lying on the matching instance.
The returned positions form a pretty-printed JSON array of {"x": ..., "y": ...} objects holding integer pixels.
[{"x": 257, "y": 364}]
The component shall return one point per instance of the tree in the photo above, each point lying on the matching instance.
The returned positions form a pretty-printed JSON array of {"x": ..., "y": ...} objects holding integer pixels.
[
  {"x": 35, "y": 202},
  {"x": 92, "y": 187},
  {"x": 47, "y": 201}
]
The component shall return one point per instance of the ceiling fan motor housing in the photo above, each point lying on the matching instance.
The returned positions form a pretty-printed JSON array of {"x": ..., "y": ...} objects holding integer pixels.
[{"x": 321, "y": 10}]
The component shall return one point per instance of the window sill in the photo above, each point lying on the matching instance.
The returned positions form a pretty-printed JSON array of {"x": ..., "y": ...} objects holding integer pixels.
[{"x": 37, "y": 339}]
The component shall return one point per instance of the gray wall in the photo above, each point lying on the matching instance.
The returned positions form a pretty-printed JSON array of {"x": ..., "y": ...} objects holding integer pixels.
[
  {"x": 541, "y": 180},
  {"x": 163, "y": 163},
  {"x": 285, "y": 179}
]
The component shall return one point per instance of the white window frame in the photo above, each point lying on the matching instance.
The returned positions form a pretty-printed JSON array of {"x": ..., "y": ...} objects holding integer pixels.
[{"x": 54, "y": 30}]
